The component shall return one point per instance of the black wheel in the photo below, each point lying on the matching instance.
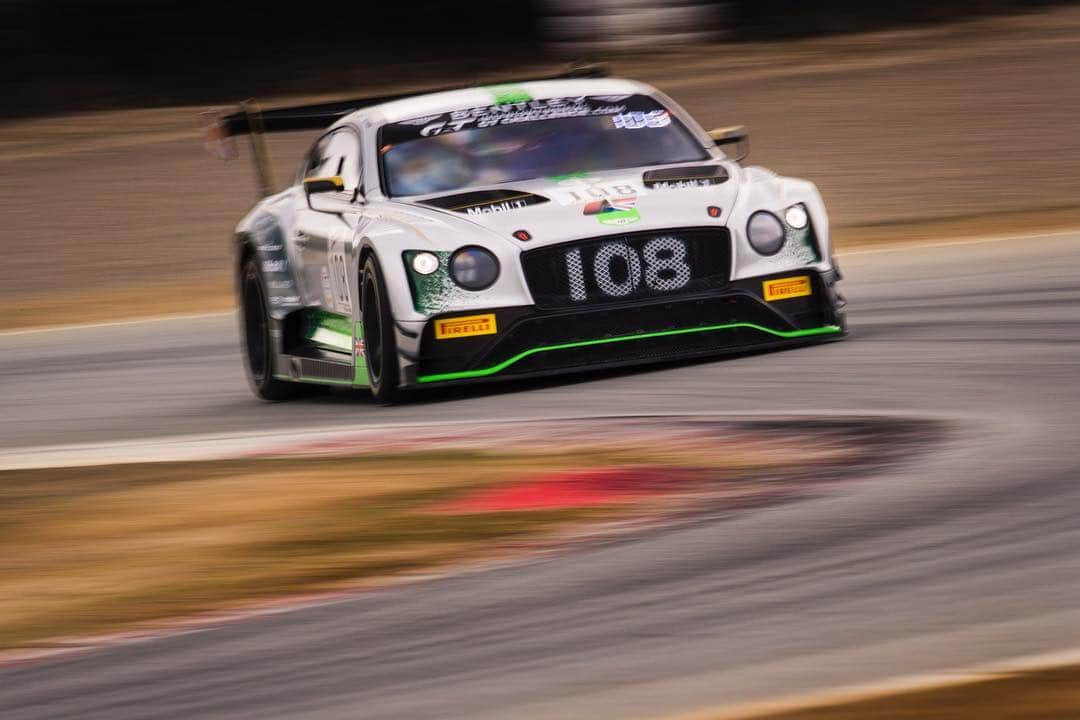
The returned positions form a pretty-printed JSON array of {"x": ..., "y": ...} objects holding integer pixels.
[
  {"x": 380, "y": 349},
  {"x": 255, "y": 335}
]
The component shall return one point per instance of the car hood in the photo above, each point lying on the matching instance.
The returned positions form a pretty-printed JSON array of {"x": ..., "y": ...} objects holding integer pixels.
[{"x": 545, "y": 211}]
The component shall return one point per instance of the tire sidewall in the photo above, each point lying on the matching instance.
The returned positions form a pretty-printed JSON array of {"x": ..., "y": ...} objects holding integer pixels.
[
  {"x": 266, "y": 386},
  {"x": 384, "y": 388}
]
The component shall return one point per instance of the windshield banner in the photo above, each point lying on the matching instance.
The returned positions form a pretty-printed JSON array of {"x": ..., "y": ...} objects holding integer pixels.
[{"x": 627, "y": 111}]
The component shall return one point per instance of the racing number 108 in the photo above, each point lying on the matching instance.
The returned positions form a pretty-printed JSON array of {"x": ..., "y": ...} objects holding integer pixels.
[{"x": 662, "y": 266}]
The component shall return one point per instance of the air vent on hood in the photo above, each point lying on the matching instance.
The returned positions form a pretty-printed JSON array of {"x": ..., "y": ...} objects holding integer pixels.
[
  {"x": 484, "y": 202},
  {"x": 689, "y": 176}
]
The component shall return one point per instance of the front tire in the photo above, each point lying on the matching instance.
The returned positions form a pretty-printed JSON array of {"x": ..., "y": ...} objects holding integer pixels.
[
  {"x": 255, "y": 337},
  {"x": 380, "y": 347}
]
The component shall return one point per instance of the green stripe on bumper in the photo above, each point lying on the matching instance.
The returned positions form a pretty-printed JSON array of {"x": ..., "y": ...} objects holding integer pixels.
[{"x": 494, "y": 369}]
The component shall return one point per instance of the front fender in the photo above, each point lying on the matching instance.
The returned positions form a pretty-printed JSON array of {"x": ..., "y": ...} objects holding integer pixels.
[
  {"x": 760, "y": 189},
  {"x": 415, "y": 298},
  {"x": 264, "y": 238}
]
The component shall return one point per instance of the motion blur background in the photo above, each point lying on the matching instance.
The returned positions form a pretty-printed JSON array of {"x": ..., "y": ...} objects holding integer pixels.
[
  {"x": 69, "y": 55},
  {"x": 904, "y": 114},
  {"x": 922, "y": 123}
]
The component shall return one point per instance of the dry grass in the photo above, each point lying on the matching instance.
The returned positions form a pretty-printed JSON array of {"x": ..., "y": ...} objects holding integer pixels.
[
  {"x": 1044, "y": 695},
  {"x": 84, "y": 550}
]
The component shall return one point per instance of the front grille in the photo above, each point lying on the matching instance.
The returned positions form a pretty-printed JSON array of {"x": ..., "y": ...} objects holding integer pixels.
[{"x": 616, "y": 268}]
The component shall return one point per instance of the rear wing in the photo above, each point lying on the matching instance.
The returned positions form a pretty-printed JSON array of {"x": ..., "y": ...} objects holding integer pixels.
[{"x": 249, "y": 119}]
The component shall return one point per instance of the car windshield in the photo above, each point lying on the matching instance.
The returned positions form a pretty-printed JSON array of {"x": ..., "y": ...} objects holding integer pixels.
[{"x": 526, "y": 140}]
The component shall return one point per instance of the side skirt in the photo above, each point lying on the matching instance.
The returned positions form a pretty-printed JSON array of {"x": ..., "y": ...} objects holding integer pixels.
[{"x": 323, "y": 348}]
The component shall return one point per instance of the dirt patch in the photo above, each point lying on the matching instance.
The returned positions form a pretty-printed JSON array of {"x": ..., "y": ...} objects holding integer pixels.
[
  {"x": 1038, "y": 695},
  {"x": 95, "y": 549}
]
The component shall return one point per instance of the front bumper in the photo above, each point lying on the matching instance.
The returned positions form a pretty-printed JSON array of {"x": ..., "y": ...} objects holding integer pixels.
[{"x": 531, "y": 342}]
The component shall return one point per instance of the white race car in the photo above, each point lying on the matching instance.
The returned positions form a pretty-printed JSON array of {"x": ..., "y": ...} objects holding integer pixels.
[{"x": 505, "y": 231}]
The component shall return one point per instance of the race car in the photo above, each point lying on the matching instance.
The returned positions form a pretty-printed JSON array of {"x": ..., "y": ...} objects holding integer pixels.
[{"x": 541, "y": 226}]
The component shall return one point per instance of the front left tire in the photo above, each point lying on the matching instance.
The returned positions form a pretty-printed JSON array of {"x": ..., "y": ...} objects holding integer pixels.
[
  {"x": 380, "y": 346},
  {"x": 255, "y": 337}
]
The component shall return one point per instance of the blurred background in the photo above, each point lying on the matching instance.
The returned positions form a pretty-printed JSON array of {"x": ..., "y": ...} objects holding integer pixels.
[
  {"x": 75, "y": 55},
  {"x": 950, "y": 125},
  {"x": 905, "y": 115}
]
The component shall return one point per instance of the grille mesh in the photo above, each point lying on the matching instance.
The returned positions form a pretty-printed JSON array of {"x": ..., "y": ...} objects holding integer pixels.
[{"x": 616, "y": 268}]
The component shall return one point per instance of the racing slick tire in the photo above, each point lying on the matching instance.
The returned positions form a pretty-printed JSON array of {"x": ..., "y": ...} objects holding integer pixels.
[
  {"x": 255, "y": 336},
  {"x": 380, "y": 347}
]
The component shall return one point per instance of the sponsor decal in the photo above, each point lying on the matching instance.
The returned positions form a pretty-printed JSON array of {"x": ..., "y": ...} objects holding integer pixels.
[
  {"x": 327, "y": 290},
  {"x": 786, "y": 288},
  {"x": 466, "y": 326},
  {"x": 682, "y": 184},
  {"x": 497, "y": 207},
  {"x": 339, "y": 277},
  {"x": 639, "y": 120},
  {"x": 513, "y": 105},
  {"x": 615, "y": 210},
  {"x": 421, "y": 120},
  {"x": 584, "y": 192},
  {"x": 270, "y": 266}
]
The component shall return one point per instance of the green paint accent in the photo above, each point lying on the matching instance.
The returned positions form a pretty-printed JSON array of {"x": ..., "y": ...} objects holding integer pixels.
[
  {"x": 329, "y": 330},
  {"x": 579, "y": 175},
  {"x": 361, "y": 377},
  {"x": 509, "y": 94},
  {"x": 494, "y": 369},
  {"x": 619, "y": 217},
  {"x": 328, "y": 321},
  {"x": 430, "y": 293}
]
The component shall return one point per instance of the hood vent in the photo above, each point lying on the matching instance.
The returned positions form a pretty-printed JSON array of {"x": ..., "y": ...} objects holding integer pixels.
[
  {"x": 685, "y": 177},
  {"x": 486, "y": 202}
]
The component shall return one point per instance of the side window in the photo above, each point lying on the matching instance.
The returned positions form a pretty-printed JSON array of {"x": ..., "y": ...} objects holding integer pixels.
[
  {"x": 335, "y": 154},
  {"x": 314, "y": 160},
  {"x": 343, "y": 158}
]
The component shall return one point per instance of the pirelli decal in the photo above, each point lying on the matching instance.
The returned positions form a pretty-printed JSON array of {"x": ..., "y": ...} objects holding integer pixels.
[
  {"x": 466, "y": 326},
  {"x": 786, "y": 288}
]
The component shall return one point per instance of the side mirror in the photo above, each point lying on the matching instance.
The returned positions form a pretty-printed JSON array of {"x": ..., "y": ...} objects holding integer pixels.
[
  {"x": 736, "y": 137},
  {"x": 316, "y": 185}
]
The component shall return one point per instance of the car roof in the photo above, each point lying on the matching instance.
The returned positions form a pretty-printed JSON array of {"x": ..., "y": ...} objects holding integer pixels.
[{"x": 438, "y": 103}]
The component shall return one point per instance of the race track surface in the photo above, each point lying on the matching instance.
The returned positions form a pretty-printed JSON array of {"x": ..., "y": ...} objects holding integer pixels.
[{"x": 965, "y": 555}]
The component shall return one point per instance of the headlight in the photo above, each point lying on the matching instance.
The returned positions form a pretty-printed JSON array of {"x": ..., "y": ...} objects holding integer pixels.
[
  {"x": 765, "y": 232},
  {"x": 425, "y": 263},
  {"x": 796, "y": 217},
  {"x": 474, "y": 268}
]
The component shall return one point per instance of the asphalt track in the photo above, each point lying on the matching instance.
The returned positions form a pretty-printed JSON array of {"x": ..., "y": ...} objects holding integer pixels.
[{"x": 965, "y": 555}]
